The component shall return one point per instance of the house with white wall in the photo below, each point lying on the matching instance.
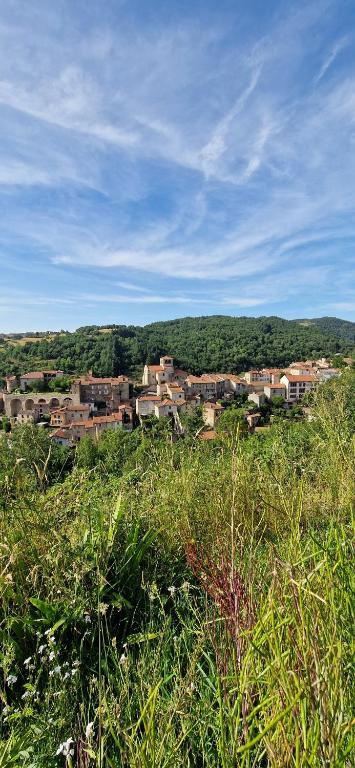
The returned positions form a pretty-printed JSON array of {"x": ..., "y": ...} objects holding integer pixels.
[{"x": 297, "y": 386}]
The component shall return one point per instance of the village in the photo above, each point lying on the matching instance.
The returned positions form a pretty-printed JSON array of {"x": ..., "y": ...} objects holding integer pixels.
[{"x": 91, "y": 405}]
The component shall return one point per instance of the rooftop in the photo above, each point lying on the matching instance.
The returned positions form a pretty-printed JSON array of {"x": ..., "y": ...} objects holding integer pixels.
[
  {"x": 210, "y": 434},
  {"x": 33, "y": 375},
  {"x": 148, "y": 398},
  {"x": 88, "y": 380},
  {"x": 63, "y": 433},
  {"x": 305, "y": 378}
]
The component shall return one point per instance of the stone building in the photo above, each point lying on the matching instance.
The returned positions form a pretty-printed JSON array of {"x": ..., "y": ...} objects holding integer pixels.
[{"x": 102, "y": 393}]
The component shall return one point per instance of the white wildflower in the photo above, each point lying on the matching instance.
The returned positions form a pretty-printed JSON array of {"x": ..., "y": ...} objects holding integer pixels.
[
  {"x": 172, "y": 590},
  {"x": 123, "y": 659},
  {"x": 6, "y": 711},
  {"x": 26, "y": 695},
  {"x": 89, "y": 730},
  {"x": 27, "y": 662},
  {"x": 41, "y": 648},
  {"x": 51, "y": 656},
  {"x": 65, "y": 748},
  {"x": 57, "y": 669},
  {"x": 76, "y": 663},
  {"x": 66, "y": 675},
  {"x": 11, "y": 679},
  {"x": 87, "y": 618},
  {"x": 74, "y": 671}
]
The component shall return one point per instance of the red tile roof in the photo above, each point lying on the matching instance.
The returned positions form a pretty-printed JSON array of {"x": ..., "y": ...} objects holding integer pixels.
[
  {"x": 92, "y": 380},
  {"x": 33, "y": 375},
  {"x": 111, "y": 419},
  {"x": 300, "y": 378},
  {"x": 81, "y": 407},
  {"x": 209, "y": 435},
  {"x": 63, "y": 433}
]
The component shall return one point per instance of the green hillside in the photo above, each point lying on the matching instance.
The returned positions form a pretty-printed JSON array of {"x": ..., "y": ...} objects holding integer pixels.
[
  {"x": 199, "y": 344},
  {"x": 342, "y": 329}
]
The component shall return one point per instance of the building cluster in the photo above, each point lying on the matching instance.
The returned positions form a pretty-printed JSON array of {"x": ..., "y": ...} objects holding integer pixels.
[
  {"x": 169, "y": 391},
  {"x": 94, "y": 404},
  {"x": 88, "y": 408}
]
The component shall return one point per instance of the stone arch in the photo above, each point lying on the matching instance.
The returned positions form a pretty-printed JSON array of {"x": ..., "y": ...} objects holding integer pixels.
[
  {"x": 16, "y": 406},
  {"x": 42, "y": 401},
  {"x": 67, "y": 400},
  {"x": 29, "y": 405},
  {"x": 54, "y": 402}
]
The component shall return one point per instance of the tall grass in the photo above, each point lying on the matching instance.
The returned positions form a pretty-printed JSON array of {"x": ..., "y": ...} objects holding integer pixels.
[{"x": 194, "y": 609}]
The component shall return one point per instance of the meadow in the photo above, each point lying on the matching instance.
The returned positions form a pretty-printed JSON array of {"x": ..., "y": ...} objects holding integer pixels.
[{"x": 180, "y": 604}]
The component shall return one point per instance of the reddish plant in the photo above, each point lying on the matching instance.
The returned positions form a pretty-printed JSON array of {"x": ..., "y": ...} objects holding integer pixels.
[{"x": 225, "y": 586}]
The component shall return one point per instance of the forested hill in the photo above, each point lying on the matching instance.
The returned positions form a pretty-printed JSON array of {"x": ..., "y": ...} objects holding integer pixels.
[
  {"x": 198, "y": 344},
  {"x": 342, "y": 329}
]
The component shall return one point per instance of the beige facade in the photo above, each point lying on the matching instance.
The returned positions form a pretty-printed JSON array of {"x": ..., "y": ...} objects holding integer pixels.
[
  {"x": 274, "y": 390},
  {"x": 175, "y": 392},
  {"x": 165, "y": 408},
  {"x": 297, "y": 386},
  {"x": 211, "y": 413},
  {"x": 159, "y": 375},
  {"x": 257, "y": 397},
  {"x": 11, "y": 383},
  {"x": 61, "y": 417},
  {"x": 145, "y": 405},
  {"x": 252, "y": 376}
]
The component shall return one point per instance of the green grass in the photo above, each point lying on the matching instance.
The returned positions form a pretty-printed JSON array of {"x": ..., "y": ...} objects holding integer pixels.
[{"x": 193, "y": 603}]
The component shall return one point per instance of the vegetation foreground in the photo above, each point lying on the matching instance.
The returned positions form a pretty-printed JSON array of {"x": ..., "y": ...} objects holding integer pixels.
[{"x": 180, "y": 604}]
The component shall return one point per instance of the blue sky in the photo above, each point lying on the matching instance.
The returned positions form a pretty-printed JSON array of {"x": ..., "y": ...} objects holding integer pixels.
[{"x": 162, "y": 158}]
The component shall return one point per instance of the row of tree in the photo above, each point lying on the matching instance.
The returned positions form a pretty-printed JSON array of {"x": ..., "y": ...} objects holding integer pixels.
[{"x": 213, "y": 343}]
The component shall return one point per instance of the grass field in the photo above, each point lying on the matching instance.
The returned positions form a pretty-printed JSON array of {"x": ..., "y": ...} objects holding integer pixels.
[{"x": 180, "y": 605}]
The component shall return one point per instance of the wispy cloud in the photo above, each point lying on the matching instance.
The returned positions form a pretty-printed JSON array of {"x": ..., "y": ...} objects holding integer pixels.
[
  {"x": 161, "y": 152},
  {"x": 336, "y": 49}
]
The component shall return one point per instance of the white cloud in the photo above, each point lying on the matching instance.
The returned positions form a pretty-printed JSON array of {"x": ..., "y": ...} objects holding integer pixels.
[
  {"x": 336, "y": 49},
  {"x": 213, "y": 159}
]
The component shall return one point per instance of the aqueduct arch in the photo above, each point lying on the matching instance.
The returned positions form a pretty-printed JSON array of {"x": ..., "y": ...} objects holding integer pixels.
[{"x": 16, "y": 406}]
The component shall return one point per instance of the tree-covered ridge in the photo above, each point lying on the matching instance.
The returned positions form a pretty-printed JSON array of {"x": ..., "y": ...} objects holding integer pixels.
[
  {"x": 198, "y": 344},
  {"x": 342, "y": 329}
]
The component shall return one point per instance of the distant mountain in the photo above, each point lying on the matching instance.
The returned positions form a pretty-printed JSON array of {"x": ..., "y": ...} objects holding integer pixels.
[{"x": 210, "y": 343}]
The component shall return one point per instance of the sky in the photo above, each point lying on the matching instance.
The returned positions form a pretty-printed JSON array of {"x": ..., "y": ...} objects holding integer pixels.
[{"x": 164, "y": 158}]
